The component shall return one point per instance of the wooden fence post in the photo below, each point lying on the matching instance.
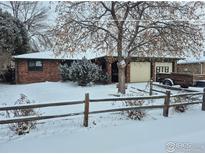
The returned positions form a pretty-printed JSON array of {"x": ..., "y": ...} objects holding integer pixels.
[
  {"x": 86, "y": 111},
  {"x": 203, "y": 101},
  {"x": 166, "y": 104},
  {"x": 150, "y": 87}
]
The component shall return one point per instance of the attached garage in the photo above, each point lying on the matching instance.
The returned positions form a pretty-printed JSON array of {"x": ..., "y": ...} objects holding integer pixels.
[{"x": 140, "y": 71}]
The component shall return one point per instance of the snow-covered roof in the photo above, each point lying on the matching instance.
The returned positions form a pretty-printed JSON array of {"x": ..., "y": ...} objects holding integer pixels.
[
  {"x": 90, "y": 54},
  {"x": 147, "y": 55},
  {"x": 61, "y": 56},
  {"x": 192, "y": 60}
]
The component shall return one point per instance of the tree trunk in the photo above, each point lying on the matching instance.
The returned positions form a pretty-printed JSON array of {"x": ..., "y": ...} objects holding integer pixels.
[
  {"x": 121, "y": 63},
  {"x": 121, "y": 77}
]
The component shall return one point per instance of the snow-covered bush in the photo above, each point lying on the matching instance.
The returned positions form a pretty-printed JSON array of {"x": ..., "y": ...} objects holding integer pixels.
[
  {"x": 9, "y": 75},
  {"x": 180, "y": 108},
  {"x": 81, "y": 71},
  {"x": 22, "y": 127},
  {"x": 135, "y": 114},
  {"x": 104, "y": 77},
  {"x": 14, "y": 36},
  {"x": 64, "y": 71}
]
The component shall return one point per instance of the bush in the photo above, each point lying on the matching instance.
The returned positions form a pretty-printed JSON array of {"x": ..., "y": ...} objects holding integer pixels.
[
  {"x": 180, "y": 108},
  {"x": 21, "y": 128},
  {"x": 9, "y": 75},
  {"x": 135, "y": 114},
  {"x": 64, "y": 71},
  {"x": 104, "y": 78},
  {"x": 82, "y": 71}
]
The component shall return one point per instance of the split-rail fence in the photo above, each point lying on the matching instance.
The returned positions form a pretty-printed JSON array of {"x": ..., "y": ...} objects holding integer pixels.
[{"x": 87, "y": 102}]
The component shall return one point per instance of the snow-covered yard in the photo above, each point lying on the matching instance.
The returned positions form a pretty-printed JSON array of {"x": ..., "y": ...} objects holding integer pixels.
[{"x": 110, "y": 132}]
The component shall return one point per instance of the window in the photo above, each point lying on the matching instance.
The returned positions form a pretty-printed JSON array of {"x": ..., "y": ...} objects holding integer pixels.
[
  {"x": 35, "y": 65},
  {"x": 162, "y": 69}
]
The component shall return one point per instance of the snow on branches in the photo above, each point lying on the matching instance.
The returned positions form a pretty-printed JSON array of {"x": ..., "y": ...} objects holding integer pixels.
[
  {"x": 83, "y": 71},
  {"x": 21, "y": 128},
  {"x": 139, "y": 28}
]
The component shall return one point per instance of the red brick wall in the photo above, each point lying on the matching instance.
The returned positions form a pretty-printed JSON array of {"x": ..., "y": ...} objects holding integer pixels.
[
  {"x": 50, "y": 72},
  {"x": 194, "y": 68}
]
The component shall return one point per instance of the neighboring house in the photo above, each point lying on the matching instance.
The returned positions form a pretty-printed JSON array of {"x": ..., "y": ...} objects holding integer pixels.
[
  {"x": 44, "y": 66},
  {"x": 194, "y": 65}
]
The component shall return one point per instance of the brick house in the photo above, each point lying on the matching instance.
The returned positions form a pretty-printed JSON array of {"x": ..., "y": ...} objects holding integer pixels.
[
  {"x": 44, "y": 66},
  {"x": 194, "y": 65}
]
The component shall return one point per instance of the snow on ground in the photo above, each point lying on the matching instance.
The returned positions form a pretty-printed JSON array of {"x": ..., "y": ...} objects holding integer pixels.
[
  {"x": 52, "y": 92},
  {"x": 124, "y": 136},
  {"x": 109, "y": 132}
]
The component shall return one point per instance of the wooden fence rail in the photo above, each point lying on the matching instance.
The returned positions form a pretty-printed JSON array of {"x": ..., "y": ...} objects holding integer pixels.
[
  {"x": 187, "y": 94},
  {"x": 188, "y": 103},
  {"x": 34, "y": 118},
  {"x": 127, "y": 108},
  {"x": 128, "y": 98},
  {"x": 31, "y": 106},
  {"x": 87, "y": 102},
  {"x": 173, "y": 88},
  {"x": 159, "y": 91}
]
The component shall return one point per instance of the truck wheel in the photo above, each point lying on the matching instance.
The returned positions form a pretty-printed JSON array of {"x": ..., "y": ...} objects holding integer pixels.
[{"x": 167, "y": 83}]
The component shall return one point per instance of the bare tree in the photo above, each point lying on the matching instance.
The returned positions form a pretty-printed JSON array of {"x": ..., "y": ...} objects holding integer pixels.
[
  {"x": 34, "y": 16},
  {"x": 129, "y": 28}
]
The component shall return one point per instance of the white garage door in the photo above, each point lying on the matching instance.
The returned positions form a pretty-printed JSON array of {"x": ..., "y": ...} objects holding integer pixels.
[
  {"x": 163, "y": 67},
  {"x": 139, "y": 71}
]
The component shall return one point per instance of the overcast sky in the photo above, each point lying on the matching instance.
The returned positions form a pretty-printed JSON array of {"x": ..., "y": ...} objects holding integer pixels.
[{"x": 48, "y": 4}]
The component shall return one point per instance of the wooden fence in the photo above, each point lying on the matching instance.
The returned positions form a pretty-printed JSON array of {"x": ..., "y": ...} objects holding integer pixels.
[
  {"x": 87, "y": 102},
  {"x": 167, "y": 87}
]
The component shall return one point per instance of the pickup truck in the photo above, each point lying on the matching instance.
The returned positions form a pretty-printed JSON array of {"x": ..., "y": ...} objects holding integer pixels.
[{"x": 183, "y": 79}]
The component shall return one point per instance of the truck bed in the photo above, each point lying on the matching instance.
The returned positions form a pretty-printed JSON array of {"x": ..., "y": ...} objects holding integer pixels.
[{"x": 183, "y": 79}]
